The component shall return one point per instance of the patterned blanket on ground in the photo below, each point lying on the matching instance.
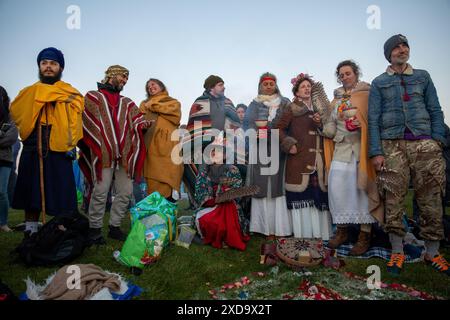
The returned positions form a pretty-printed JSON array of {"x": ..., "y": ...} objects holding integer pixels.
[{"x": 413, "y": 253}]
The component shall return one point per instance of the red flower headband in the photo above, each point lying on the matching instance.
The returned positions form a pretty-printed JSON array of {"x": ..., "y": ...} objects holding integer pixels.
[{"x": 301, "y": 76}]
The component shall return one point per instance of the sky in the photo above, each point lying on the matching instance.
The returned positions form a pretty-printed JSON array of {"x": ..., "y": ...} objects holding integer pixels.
[{"x": 182, "y": 42}]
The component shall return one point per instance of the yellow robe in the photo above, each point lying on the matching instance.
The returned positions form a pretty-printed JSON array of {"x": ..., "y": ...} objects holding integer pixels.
[
  {"x": 160, "y": 172},
  {"x": 64, "y": 116}
]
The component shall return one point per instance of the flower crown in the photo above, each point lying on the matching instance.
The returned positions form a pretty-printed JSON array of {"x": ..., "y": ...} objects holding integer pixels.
[{"x": 300, "y": 77}]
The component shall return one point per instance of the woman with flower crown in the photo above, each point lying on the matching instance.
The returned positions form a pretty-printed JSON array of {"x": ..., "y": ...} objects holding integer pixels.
[
  {"x": 353, "y": 195},
  {"x": 305, "y": 181}
]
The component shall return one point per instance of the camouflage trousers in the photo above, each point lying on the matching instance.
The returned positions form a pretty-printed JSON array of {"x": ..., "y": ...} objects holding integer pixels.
[{"x": 422, "y": 161}]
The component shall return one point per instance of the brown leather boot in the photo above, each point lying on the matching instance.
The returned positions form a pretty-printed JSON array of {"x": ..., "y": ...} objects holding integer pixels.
[
  {"x": 362, "y": 245},
  {"x": 339, "y": 238}
]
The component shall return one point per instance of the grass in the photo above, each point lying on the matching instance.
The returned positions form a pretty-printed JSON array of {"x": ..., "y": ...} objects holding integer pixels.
[{"x": 190, "y": 273}]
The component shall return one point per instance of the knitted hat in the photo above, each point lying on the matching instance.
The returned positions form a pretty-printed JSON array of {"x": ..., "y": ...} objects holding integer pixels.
[
  {"x": 392, "y": 42},
  {"x": 114, "y": 71},
  {"x": 211, "y": 81},
  {"x": 51, "y": 54}
]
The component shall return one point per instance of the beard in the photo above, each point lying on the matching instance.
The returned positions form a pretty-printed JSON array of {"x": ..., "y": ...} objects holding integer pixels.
[
  {"x": 50, "y": 79},
  {"x": 116, "y": 85}
]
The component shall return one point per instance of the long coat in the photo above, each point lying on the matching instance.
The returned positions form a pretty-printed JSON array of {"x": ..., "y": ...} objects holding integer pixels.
[
  {"x": 259, "y": 111},
  {"x": 297, "y": 128}
]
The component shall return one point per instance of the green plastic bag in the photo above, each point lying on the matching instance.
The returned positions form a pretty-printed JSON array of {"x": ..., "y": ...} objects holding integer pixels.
[
  {"x": 134, "y": 247},
  {"x": 153, "y": 227},
  {"x": 157, "y": 204}
]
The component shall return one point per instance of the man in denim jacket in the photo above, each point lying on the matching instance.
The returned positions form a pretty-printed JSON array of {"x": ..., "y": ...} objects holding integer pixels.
[{"x": 406, "y": 135}]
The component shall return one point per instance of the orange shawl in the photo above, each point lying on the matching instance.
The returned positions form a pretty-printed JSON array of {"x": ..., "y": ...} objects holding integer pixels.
[{"x": 366, "y": 172}]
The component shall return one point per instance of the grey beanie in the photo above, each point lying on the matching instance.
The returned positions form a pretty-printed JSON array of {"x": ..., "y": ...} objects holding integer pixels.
[{"x": 392, "y": 42}]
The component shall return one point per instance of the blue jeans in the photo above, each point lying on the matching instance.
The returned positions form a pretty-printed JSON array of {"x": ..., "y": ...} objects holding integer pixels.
[{"x": 4, "y": 203}]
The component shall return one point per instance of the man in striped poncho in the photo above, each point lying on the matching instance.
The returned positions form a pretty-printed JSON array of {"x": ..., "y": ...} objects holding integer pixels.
[{"x": 112, "y": 147}]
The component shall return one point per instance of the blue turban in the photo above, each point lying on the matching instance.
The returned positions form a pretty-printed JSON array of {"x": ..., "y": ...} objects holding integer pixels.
[{"x": 51, "y": 54}]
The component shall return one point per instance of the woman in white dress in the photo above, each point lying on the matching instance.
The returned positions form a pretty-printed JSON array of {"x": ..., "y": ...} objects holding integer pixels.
[{"x": 353, "y": 196}]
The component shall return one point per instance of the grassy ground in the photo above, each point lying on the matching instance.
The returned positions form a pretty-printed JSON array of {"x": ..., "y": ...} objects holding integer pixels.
[{"x": 190, "y": 273}]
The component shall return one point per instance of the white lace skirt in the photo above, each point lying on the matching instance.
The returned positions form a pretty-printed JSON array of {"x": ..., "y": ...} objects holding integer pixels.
[
  {"x": 309, "y": 222},
  {"x": 270, "y": 216},
  {"x": 347, "y": 203}
]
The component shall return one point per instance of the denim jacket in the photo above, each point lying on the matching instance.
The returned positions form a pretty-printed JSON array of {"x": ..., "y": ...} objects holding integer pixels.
[{"x": 389, "y": 115}]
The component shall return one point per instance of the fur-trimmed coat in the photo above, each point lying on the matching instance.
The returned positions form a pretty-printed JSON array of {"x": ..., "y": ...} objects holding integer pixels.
[{"x": 298, "y": 128}]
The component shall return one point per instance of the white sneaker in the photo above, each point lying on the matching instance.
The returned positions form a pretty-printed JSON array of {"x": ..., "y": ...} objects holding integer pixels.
[{"x": 5, "y": 228}]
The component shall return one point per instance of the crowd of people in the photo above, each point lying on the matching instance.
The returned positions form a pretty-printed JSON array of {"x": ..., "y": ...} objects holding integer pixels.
[{"x": 344, "y": 162}]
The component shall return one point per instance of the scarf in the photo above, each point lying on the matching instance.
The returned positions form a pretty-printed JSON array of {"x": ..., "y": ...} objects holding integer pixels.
[{"x": 272, "y": 102}]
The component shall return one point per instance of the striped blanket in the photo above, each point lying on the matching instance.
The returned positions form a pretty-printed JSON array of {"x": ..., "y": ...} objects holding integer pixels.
[{"x": 413, "y": 253}]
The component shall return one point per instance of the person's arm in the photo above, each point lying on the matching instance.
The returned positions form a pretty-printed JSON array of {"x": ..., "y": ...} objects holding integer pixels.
[
  {"x": 373, "y": 119},
  {"x": 9, "y": 136},
  {"x": 250, "y": 117},
  {"x": 435, "y": 111},
  {"x": 286, "y": 142},
  {"x": 374, "y": 115},
  {"x": 329, "y": 128}
]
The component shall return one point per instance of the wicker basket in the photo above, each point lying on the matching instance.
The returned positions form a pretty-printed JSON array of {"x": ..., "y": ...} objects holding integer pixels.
[{"x": 300, "y": 252}]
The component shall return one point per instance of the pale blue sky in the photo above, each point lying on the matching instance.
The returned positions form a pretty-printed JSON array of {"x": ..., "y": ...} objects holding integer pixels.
[{"x": 181, "y": 42}]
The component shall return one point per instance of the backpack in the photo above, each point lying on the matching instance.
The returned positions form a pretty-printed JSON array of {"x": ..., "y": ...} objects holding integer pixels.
[{"x": 58, "y": 242}]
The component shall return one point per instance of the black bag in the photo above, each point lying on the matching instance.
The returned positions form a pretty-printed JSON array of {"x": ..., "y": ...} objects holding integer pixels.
[{"x": 58, "y": 242}]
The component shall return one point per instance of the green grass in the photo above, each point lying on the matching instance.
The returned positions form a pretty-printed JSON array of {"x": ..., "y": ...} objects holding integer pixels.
[{"x": 190, "y": 273}]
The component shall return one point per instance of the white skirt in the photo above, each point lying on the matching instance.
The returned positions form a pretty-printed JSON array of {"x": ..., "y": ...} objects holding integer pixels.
[
  {"x": 270, "y": 216},
  {"x": 310, "y": 222},
  {"x": 348, "y": 204}
]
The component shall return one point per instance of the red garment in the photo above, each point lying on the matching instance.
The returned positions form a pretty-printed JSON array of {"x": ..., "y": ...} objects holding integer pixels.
[{"x": 222, "y": 225}]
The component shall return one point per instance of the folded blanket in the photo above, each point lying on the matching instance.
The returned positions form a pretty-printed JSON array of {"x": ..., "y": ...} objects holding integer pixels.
[{"x": 94, "y": 284}]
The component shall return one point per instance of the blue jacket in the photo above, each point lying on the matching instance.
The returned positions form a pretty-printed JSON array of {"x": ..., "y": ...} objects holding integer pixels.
[{"x": 389, "y": 115}]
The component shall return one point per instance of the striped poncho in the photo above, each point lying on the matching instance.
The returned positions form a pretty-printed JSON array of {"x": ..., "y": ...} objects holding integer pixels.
[
  {"x": 112, "y": 135},
  {"x": 201, "y": 113}
]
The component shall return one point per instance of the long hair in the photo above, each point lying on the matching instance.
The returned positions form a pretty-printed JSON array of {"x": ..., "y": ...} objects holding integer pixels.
[
  {"x": 4, "y": 105},
  {"x": 159, "y": 82}
]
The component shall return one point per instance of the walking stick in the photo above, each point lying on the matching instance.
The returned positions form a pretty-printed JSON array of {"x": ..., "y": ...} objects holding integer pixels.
[{"x": 41, "y": 167}]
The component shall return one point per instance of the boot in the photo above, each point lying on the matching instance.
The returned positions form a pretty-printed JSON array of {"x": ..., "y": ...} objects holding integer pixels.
[
  {"x": 340, "y": 237},
  {"x": 362, "y": 245},
  {"x": 95, "y": 237},
  {"x": 116, "y": 234}
]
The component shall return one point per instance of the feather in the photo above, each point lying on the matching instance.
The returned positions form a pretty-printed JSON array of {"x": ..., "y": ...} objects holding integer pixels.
[
  {"x": 388, "y": 180},
  {"x": 319, "y": 98}
]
